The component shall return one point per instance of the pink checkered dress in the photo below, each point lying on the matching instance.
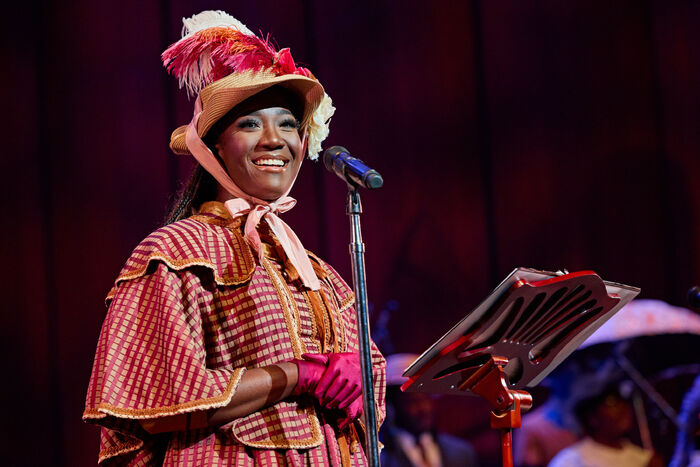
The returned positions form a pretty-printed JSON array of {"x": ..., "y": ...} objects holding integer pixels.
[{"x": 190, "y": 311}]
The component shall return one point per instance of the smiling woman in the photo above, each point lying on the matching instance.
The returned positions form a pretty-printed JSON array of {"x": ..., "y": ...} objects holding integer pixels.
[
  {"x": 226, "y": 342},
  {"x": 261, "y": 148}
]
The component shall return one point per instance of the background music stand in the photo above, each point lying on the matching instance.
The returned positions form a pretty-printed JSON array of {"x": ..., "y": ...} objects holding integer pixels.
[{"x": 528, "y": 325}]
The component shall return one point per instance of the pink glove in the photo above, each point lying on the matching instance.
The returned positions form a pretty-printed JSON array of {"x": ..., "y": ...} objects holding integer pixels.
[
  {"x": 310, "y": 372},
  {"x": 341, "y": 384},
  {"x": 352, "y": 406}
]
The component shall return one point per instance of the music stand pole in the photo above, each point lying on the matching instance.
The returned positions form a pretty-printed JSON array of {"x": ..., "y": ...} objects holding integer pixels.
[{"x": 357, "y": 254}]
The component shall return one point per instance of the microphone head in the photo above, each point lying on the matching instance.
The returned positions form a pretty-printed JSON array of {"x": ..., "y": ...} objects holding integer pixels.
[
  {"x": 373, "y": 180},
  {"x": 330, "y": 154}
]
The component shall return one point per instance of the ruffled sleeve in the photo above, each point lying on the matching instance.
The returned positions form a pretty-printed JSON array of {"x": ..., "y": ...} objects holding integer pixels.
[{"x": 151, "y": 357}]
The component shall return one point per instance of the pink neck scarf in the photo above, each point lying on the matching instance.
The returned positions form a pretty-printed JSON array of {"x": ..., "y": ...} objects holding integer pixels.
[{"x": 257, "y": 209}]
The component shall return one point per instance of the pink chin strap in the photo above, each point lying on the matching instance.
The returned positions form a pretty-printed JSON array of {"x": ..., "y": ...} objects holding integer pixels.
[{"x": 257, "y": 209}]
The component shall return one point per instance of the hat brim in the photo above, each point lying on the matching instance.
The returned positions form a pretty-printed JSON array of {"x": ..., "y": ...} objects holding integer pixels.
[{"x": 219, "y": 97}]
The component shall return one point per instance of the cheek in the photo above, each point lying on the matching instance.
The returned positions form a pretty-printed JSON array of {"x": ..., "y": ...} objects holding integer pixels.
[
  {"x": 293, "y": 140},
  {"x": 234, "y": 151},
  {"x": 296, "y": 147}
]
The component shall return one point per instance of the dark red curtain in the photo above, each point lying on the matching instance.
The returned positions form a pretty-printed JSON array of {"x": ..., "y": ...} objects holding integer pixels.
[{"x": 550, "y": 135}]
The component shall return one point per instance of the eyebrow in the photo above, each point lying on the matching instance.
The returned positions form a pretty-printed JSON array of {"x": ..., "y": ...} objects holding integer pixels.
[{"x": 279, "y": 111}]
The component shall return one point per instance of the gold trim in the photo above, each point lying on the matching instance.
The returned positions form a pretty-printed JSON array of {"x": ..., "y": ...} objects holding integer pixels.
[
  {"x": 315, "y": 334},
  {"x": 216, "y": 208},
  {"x": 102, "y": 410},
  {"x": 118, "y": 450},
  {"x": 286, "y": 300},
  {"x": 330, "y": 333},
  {"x": 342, "y": 338},
  {"x": 297, "y": 319},
  {"x": 347, "y": 302},
  {"x": 349, "y": 299},
  {"x": 316, "y": 435},
  {"x": 179, "y": 265},
  {"x": 208, "y": 219}
]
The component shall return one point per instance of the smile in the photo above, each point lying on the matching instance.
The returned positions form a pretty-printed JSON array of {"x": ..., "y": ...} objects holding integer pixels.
[{"x": 269, "y": 162}]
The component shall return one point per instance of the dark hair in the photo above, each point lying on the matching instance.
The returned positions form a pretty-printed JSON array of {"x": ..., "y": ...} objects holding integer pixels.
[
  {"x": 585, "y": 409},
  {"x": 200, "y": 187}
]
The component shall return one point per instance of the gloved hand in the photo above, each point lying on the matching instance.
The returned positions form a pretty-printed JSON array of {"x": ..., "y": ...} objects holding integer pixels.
[
  {"x": 310, "y": 372},
  {"x": 340, "y": 387}
]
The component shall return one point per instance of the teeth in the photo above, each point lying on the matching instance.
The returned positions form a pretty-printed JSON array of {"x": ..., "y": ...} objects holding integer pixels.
[{"x": 270, "y": 162}]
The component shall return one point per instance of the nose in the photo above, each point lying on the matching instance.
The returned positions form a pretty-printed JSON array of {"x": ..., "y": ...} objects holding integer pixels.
[{"x": 270, "y": 137}]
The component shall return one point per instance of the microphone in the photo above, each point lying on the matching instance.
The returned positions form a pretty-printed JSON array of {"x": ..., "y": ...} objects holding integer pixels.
[
  {"x": 694, "y": 296},
  {"x": 339, "y": 161}
]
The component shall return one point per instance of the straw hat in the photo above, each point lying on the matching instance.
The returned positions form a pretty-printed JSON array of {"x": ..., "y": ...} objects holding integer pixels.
[{"x": 223, "y": 62}]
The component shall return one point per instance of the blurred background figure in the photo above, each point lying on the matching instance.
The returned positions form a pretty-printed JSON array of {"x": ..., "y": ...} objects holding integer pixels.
[
  {"x": 606, "y": 420},
  {"x": 550, "y": 427},
  {"x": 410, "y": 435},
  {"x": 648, "y": 344},
  {"x": 687, "y": 452},
  {"x": 553, "y": 425},
  {"x": 654, "y": 345}
]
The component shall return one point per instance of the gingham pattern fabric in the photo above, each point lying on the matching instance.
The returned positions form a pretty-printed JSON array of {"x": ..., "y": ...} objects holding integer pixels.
[{"x": 190, "y": 311}]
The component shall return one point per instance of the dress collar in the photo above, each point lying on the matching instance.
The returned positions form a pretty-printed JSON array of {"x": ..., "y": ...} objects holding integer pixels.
[{"x": 214, "y": 212}]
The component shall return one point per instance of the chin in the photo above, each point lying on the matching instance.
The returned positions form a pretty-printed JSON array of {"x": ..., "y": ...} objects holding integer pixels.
[
  {"x": 269, "y": 196},
  {"x": 270, "y": 191},
  {"x": 266, "y": 188},
  {"x": 267, "y": 193}
]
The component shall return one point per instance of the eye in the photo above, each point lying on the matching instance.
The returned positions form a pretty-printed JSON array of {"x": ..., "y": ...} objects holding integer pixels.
[
  {"x": 290, "y": 123},
  {"x": 248, "y": 123}
]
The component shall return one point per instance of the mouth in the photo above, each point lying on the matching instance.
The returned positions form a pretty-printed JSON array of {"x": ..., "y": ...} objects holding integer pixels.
[{"x": 271, "y": 163}]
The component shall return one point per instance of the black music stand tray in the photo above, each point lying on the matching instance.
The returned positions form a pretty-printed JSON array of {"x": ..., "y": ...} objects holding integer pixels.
[{"x": 528, "y": 325}]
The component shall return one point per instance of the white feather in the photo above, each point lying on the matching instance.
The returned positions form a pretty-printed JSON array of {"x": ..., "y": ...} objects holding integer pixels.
[
  {"x": 197, "y": 76},
  {"x": 211, "y": 19}
]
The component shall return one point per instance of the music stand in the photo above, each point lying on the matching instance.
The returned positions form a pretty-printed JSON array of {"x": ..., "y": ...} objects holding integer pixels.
[{"x": 528, "y": 325}]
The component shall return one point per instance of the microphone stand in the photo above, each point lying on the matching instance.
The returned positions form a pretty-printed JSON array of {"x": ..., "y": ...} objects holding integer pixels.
[{"x": 357, "y": 254}]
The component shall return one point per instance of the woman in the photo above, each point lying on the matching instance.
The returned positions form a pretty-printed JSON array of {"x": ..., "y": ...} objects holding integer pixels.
[
  {"x": 606, "y": 419},
  {"x": 226, "y": 343}
]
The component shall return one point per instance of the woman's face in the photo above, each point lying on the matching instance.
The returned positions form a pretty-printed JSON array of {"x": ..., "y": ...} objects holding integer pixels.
[
  {"x": 615, "y": 416},
  {"x": 262, "y": 149}
]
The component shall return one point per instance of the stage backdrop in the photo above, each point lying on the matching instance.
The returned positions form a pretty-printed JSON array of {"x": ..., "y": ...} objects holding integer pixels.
[{"x": 550, "y": 135}]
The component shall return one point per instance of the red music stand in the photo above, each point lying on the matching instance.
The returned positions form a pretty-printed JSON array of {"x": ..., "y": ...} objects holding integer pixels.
[{"x": 528, "y": 325}]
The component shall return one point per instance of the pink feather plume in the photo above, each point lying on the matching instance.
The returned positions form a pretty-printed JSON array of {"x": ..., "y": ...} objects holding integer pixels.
[{"x": 213, "y": 53}]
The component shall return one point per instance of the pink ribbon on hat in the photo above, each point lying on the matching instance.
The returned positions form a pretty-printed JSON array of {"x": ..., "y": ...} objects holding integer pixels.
[{"x": 257, "y": 209}]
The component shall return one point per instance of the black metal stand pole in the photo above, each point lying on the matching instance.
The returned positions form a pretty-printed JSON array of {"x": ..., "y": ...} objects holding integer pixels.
[{"x": 357, "y": 254}]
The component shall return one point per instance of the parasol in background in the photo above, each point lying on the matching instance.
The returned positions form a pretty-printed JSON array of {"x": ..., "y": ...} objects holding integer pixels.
[
  {"x": 648, "y": 336},
  {"x": 645, "y": 317}
]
